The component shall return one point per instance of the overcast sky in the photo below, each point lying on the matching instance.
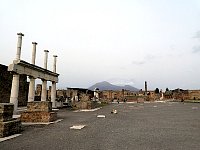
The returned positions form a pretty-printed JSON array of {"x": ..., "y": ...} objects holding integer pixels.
[{"x": 120, "y": 41}]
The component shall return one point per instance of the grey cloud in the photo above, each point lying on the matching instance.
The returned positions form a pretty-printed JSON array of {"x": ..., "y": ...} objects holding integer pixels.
[
  {"x": 197, "y": 35},
  {"x": 138, "y": 62},
  {"x": 196, "y": 49},
  {"x": 147, "y": 58},
  {"x": 122, "y": 81}
]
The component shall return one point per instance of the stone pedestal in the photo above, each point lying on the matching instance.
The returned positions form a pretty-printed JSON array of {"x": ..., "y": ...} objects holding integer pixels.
[
  {"x": 8, "y": 125},
  {"x": 86, "y": 103},
  {"x": 39, "y": 112}
]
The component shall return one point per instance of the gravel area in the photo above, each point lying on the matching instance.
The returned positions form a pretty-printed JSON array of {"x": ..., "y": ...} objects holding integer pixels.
[{"x": 139, "y": 126}]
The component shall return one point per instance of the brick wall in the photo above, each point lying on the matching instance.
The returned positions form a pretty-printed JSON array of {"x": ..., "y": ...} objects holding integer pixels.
[{"x": 5, "y": 87}]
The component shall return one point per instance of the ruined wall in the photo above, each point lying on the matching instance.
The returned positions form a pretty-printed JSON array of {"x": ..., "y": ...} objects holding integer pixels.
[
  {"x": 5, "y": 84},
  {"x": 121, "y": 95},
  {"x": 194, "y": 94},
  {"x": 5, "y": 87}
]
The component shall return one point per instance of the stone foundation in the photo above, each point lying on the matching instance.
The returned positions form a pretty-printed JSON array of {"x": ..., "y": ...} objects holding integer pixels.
[
  {"x": 8, "y": 125},
  {"x": 38, "y": 116},
  {"x": 44, "y": 106},
  {"x": 39, "y": 112}
]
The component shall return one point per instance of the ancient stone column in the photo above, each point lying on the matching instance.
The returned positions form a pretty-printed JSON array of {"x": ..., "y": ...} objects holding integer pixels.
[
  {"x": 145, "y": 87},
  {"x": 44, "y": 90},
  {"x": 15, "y": 81},
  {"x": 53, "y": 88},
  {"x": 31, "y": 92},
  {"x": 96, "y": 94},
  {"x": 45, "y": 58},
  {"x": 44, "y": 82},
  {"x": 19, "y": 45},
  {"x": 33, "y": 53},
  {"x": 14, "y": 92},
  {"x": 162, "y": 96}
]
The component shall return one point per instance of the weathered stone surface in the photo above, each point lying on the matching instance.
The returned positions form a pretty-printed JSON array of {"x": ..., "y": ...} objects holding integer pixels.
[
  {"x": 6, "y": 111},
  {"x": 140, "y": 100},
  {"x": 87, "y": 105},
  {"x": 39, "y": 112},
  {"x": 38, "y": 116},
  {"x": 10, "y": 127},
  {"x": 6, "y": 83},
  {"x": 44, "y": 106}
]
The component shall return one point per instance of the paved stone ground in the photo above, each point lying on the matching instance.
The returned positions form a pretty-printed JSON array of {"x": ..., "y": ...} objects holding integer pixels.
[{"x": 152, "y": 126}]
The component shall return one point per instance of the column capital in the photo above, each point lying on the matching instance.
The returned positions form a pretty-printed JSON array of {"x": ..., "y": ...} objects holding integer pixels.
[
  {"x": 20, "y": 34},
  {"x": 34, "y": 43},
  {"x": 55, "y": 56},
  {"x": 46, "y": 51}
]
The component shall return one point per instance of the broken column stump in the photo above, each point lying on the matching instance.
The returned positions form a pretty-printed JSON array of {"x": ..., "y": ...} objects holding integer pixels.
[
  {"x": 8, "y": 125},
  {"x": 39, "y": 112}
]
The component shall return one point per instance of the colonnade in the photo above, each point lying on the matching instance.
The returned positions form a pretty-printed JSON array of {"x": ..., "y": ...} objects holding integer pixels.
[{"x": 31, "y": 93}]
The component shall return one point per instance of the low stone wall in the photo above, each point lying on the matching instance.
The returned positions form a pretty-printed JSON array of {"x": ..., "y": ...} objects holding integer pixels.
[
  {"x": 38, "y": 116},
  {"x": 39, "y": 112},
  {"x": 8, "y": 125},
  {"x": 43, "y": 106}
]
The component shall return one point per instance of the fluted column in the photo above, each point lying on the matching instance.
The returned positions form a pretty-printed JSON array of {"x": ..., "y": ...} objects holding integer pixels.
[
  {"x": 53, "y": 88},
  {"x": 31, "y": 92},
  {"x": 15, "y": 82},
  {"x": 44, "y": 82}
]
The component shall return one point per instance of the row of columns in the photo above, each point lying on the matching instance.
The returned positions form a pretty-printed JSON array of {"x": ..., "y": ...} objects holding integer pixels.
[{"x": 31, "y": 93}]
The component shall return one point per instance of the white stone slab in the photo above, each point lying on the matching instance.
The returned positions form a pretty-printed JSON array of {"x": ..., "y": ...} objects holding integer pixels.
[
  {"x": 16, "y": 116},
  {"x": 55, "y": 109},
  {"x": 131, "y": 102},
  {"x": 160, "y": 101},
  {"x": 194, "y": 107},
  {"x": 77, "y": 127},
  {"x": 87, "y": 110},
  {"x": 41, "y": 123},
  {"x": 9, "y": 137},
  {"x": 101, "y": 116},
  {"x": 155, "y": 106}
]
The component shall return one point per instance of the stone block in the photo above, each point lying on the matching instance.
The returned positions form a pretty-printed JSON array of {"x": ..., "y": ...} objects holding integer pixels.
[
  {"x": 10, "y": 127},
  {"x": 85, "y": 98},
  {"x": 6, "y": 111},
  {"x": 44, "y": 106},
  {"x": 38, "y": 116},
  {"x": 140, "y": 100}
]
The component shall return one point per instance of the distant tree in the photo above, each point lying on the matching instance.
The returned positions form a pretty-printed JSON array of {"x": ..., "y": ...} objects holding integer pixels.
[
  {"x": 167, "y": 89},
  {"x": 157, "y": 90}
]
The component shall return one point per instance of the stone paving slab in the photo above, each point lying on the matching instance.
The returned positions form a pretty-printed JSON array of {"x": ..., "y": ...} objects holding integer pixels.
[
  {"x": 77, "y": 127},
  {"x": 87, "y": 110},
  {"x": 41, "y": 123},
  {"x": 162, "y": 128},
  {"x": 9, "y": 137}
]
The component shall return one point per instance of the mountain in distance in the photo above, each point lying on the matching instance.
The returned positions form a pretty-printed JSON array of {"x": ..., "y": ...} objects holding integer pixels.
[{"x": 108, "y": 86}]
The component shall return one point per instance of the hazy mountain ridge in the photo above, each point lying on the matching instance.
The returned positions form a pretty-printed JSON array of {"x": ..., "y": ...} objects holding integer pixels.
[{"x": 108, "y": 86}]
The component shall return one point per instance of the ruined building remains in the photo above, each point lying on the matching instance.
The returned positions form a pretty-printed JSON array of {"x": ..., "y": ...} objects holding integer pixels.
[{"x": 5, "y": 87}]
